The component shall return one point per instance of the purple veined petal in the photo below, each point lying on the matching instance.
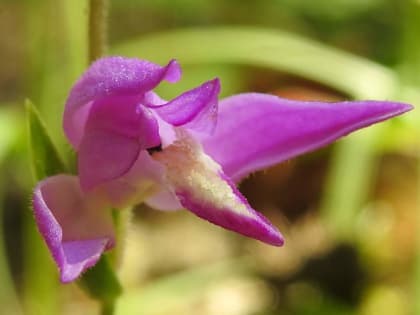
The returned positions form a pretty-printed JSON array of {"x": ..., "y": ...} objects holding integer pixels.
[
  {"x": 111, "y": 76},
  {"x": 195, "y": 109},
  {"x": 203, "y": 189},
  {"x": 117, "y": 129},
  {"x": 77, "y": 228},
  {"x": 255, "y": 131}
]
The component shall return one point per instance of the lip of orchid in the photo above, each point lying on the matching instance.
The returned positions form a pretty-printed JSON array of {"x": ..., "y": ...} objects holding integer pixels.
[
  {"x": 203, "y": 188},
  {"x": 187, "y": 152}
]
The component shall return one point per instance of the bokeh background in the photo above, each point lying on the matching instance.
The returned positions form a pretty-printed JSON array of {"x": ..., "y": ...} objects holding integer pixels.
[{"x": 350, "y": 212}]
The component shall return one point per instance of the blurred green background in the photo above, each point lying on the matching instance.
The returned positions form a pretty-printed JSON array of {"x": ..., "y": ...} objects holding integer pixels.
[{"x": 350, "y": 212}]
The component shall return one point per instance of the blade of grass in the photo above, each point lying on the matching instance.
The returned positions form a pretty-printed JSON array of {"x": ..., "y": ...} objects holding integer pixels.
[
  {"x": 45, "y": 158},
  {"x": 56, "y": 54},
  {"x": 350, "y": 176},
  {"x": 274, "y": 49},
  {"x": 9, "y": 132},
  {"x": 40, "y": 278}
]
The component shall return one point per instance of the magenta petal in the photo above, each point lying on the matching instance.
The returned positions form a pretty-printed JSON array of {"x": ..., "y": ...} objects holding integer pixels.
[
  {"x": 195, "y": 109},
  {"x": 79, "y": 256},
  {"x": 77, "y": 228},
  {"x": 118, "y": 128},
  {"x": 202, "y": 188},
  {"x": 104, "y": 156},
  {"x": 247, "y": 222},
  {"x": 111, "y": 76},
  {"x": 255, "y": 131}
]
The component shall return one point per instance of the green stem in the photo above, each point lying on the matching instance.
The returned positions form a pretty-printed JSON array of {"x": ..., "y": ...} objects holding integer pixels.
[
  {"x": 98, "y": 13},
  {"x": 102, "y": 284},
  {"x": 108, "y": 308}
]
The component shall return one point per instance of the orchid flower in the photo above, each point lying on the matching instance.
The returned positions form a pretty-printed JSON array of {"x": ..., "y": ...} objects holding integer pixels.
[{"x": 186, "y": 153}]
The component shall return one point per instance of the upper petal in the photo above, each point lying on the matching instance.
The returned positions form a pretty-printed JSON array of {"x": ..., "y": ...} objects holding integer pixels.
[
  {"x": 255, "y": 131},
  {"x": 111, "y": 76},
  {"x": 77, "y": 228},
  {"x": 195, "y": 109},
  {"x": 202, "y": 187},
  {"x": 117, "y": 129}
]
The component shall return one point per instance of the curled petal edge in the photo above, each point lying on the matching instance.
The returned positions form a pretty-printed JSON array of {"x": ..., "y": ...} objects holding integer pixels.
[
  {"x": 195, "y": 109},
  {"x": 76, "y": 241}
]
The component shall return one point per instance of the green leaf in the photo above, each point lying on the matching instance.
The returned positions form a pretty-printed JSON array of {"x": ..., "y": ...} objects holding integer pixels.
[
  {"x": 100, "y": 282},
  {"x": 10, "y": 127},
  {"x": 41, "y": 286},
  {"x": 45, "y": 159},
  {"x": 274, "y": 49}
]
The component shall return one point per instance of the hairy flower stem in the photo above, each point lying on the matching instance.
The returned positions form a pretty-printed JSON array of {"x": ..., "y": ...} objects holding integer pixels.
[
  {"x": 108, "y": 308},
  {"x": 98, "y": 13}
]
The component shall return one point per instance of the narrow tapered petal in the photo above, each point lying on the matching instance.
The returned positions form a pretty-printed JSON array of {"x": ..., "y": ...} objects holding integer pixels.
[
  {"x": 255, "y": 131},
  {"x": 195, "y": 109},
  {"x": 111, "y": 76},
  {"x": 117, "y": 129},
  {"x": 203, "y": 189},
  {"x": 77, "y": 228}
]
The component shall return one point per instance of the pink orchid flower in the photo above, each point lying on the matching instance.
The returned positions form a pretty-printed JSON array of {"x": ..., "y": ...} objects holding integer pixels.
[{"x": 187, "y": 153}]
